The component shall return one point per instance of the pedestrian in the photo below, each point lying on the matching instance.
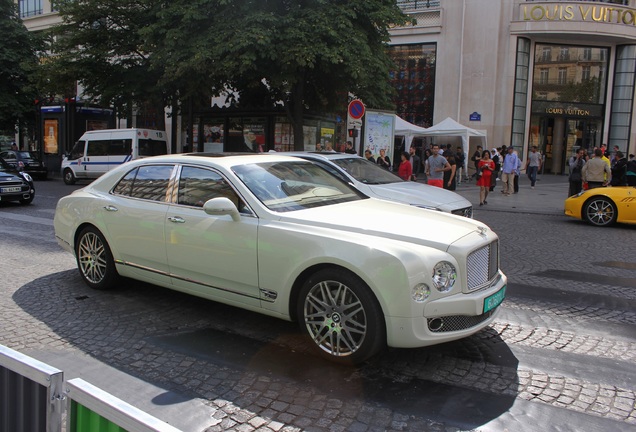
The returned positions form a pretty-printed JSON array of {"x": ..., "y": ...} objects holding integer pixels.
[
  {"x": 435, "y": 167},
  {"x": 576, "y": 164},
  {"x": 517, "y": 172},
  {"x": 596, "y": 171},
  {"x": 427, "y": 154},
  {"x": 533, "y": 164},
  {"x": 369, "y": 156},
  {"x": 631, "y": 171},
  {"x": 496, "y": 158},
  {"x": 383, "y": 160},
  {"x": 485, "y": 171},
  {"x": 508, "y": 171},
  {"x": 449, "y": 176},
  {"x": 460, "y": 160},
  {"x": 476, "y": 158},
  {"x": 405, "y": 170},
  {"x": 415, "y": 162},
  {"x": 14, "y": 146},
  {"x": 349, "y": 148},
  {"x": 619, "y": 170}
]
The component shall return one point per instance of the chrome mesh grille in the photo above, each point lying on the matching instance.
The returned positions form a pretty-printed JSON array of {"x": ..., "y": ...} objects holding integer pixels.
[
  {"x": 482, "y": 265},
  {"x": 459, "y": 322}
]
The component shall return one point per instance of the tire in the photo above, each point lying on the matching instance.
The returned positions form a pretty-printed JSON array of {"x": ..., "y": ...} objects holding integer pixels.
[
  {"x": 69, "y": 177},
  {"x": 95, "y": 260},
  {"x": 341, "y": 316},
  {"x": 600, "y": 211}
]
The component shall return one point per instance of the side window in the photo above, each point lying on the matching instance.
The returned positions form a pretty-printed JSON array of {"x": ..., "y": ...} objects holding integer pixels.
[
  {"x": 148, "y": 147},
  {"x": 124, "y": 187},
  {"x": 78, "y": 150},
  {"x": 98, "y": 148},
  {"x": 8, "y": 155},
  {"x": 151, "y": 182},
  {"x": 197, "y": 185},
  {"x": 120, "y": 147}
]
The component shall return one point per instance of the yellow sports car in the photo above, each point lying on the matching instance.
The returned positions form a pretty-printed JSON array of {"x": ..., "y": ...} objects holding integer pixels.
[{"x": 604, "y": 206}]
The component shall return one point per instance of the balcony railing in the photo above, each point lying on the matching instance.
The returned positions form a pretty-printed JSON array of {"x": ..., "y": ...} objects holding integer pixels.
[
  {"x": 413, "y": 5},
  {"x": 619, "y": 2}
]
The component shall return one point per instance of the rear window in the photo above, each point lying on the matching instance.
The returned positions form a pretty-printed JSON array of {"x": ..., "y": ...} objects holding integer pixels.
[{"x": 148, "y": 147}]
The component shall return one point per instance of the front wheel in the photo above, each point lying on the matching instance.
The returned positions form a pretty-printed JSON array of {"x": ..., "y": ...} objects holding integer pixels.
[
  {"x": 95, "y": 260},
  {"x": 69, "y": 177},
  {"x": 600, "y": 211},
  {"x": 341, "y": 316}
]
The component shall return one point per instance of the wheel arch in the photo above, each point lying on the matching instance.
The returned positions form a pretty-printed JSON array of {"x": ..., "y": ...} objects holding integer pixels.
[{"x": 305, "y": 274}]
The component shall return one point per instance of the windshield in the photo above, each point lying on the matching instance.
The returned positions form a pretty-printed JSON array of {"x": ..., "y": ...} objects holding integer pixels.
[
  {"x": 294, "y": 185},
  {"x": 366, "y": 172}
]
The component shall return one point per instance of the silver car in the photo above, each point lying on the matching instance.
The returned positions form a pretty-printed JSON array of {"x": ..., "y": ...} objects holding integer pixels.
[{"x": 377, "y": 182}]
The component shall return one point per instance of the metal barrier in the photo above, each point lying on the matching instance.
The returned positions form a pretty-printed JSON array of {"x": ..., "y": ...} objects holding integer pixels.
[
  {"x": 92, "y": 409},
  {"x": 30, "y": 394}
]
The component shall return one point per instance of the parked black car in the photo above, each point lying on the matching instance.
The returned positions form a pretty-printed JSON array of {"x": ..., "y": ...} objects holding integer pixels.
[
  {"x": 25, "y": 161},
  {"x": 15, "y": 185}
]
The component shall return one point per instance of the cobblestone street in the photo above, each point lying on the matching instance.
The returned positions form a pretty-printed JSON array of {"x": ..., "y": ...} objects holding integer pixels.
[{"x": 560, "y": 355}]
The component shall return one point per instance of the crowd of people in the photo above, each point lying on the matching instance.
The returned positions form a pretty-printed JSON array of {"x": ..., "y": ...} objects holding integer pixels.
[{"x": 440, "y": 166}]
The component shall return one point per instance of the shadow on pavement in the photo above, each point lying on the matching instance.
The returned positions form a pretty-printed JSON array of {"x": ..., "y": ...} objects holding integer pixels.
[{"x": 195, "y": 348}]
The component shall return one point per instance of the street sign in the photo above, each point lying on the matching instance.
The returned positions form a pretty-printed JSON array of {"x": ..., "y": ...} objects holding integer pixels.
[{"x": 356, "y": 109}]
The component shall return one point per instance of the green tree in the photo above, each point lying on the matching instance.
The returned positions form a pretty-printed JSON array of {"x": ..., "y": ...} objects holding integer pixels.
[
  {"x": 305, "y": 54},
  {"x": 18, "y": 63},
  {"x": 99, "y": 44}
]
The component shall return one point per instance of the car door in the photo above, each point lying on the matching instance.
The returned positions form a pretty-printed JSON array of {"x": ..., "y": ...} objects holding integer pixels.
[
  {"x": 135, "y": 219},
  {"x": 211, "y": 256}
]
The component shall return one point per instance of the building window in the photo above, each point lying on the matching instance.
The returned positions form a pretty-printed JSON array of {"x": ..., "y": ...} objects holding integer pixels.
[
  {"x": 564, "y": 54},
  {"x": 30, "y": 8},
  {"x": 544, "y": 74},
  {"x": 586, "y": 73},
  {"x": 563, "y": 75},
  {"x": 545, "y": 54},
  {"x": 414, "y": 81}
]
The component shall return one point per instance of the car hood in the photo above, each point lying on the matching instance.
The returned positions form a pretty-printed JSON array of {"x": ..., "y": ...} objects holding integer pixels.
[
  {"x": 8, "y": 177},
  {"x": 420, "y": 195},
  {"x": 390, "y": 220}
]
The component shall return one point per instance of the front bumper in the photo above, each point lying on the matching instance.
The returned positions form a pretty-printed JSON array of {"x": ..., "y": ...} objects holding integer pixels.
[{"x": 447, "y": 319}]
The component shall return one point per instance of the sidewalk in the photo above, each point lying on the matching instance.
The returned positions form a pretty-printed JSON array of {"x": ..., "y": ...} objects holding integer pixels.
[{"x": 547, "y": 197}]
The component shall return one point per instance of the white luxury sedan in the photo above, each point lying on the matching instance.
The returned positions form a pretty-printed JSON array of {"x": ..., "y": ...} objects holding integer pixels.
[
  {"x": 377, "y": 182},
  {"x": 282, "y": 236}
]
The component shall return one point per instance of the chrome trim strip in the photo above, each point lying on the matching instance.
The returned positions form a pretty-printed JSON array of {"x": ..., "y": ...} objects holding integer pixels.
[{"x": 185, "y": 279}]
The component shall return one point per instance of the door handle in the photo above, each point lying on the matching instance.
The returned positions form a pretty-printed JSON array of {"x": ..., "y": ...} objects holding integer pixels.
[
  {"x": 176, "y": 219},
  {"x": 111, "y": 208}
]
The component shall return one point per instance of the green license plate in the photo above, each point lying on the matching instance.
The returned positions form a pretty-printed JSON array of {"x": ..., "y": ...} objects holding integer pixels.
[{"x": 494, "y": 300}]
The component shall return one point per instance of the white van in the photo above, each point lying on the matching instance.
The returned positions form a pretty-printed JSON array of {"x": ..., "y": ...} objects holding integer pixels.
[{"x": 98, "y": 151}]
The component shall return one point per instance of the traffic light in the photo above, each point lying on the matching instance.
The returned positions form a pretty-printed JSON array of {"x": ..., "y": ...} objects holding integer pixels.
[{"x": 353, "y": 133}]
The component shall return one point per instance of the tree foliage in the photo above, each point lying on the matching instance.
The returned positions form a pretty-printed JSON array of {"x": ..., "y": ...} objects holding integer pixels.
[
  {"x": 18, "y": 63},
  {"x": 303, "y": 54}
]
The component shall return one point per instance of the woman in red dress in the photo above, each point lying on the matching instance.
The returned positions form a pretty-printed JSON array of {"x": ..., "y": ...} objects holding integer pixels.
[
  {"x": 405, "y": 170},
  {"x": 486, "y": 166}
]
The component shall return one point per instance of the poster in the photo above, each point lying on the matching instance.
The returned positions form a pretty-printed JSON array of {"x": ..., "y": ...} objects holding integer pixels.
[
  {"x": 378, "y": 132},
  {"x": 51, "y": 129}
]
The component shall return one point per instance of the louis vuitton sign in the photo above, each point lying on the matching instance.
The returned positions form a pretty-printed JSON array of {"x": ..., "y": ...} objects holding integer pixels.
[{"x": 578, "y": 13}]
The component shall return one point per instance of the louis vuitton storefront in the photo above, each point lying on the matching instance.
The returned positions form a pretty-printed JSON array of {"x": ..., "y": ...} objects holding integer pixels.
[{"x": 559, "y": 75}]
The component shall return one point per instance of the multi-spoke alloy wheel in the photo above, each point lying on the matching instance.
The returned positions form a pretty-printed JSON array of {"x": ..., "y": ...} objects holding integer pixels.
[
  {"x": 341, "y": 316},
  {"x": 600, "y": 211},
  {"x": 95, "y": 260}
]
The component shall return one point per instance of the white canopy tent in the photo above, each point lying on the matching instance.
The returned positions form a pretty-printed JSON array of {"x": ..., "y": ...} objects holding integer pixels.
[
  {"x": 407, "y": 130},
  {"x": 449, "y": 127}
]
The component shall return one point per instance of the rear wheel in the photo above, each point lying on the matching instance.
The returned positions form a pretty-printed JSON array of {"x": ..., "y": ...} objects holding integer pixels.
[
  {"x": 600, "y": 211},
  {"x": 95, "y": 260},
  {"x": 69, "y": 177},
  {"x": 341, "y": 316}
]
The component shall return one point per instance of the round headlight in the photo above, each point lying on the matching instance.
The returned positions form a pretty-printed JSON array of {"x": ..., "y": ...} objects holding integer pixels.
[
  {"x": 420, "y": 292},
  {"x": 444, "y": 276}
]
